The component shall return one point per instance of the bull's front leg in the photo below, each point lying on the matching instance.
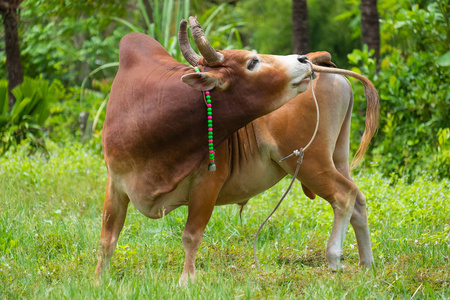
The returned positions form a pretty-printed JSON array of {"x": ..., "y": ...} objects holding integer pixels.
[
  {"x": 114, "y": 213},
  {"x": 203, "y": 195},
  {"x": 200, "y": 210}
]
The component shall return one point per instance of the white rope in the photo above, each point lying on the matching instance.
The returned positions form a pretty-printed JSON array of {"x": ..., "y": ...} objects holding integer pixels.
[
  {"x": 317, "y": 109},
  {"x": 297, "y": 152},
  {"x": 300, "y": 153}
]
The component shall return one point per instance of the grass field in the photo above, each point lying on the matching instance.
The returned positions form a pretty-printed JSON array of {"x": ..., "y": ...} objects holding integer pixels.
[{"x": 50, "y": 224}]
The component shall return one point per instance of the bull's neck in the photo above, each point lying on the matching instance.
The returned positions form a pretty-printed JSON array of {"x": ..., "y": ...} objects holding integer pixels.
[{"x": 229, "y": 111}]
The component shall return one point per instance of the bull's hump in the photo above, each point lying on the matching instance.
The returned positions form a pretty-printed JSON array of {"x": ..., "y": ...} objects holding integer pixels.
[{"x": 138, "y": 49}]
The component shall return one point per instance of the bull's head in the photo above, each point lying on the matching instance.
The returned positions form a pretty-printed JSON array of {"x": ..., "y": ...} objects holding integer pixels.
[{"x": 272, "y": 80}]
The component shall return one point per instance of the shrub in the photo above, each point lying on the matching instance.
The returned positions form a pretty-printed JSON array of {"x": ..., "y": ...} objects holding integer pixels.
[
  {"x": 29, "y": 113},
  {"x": 414, "y": 134}
]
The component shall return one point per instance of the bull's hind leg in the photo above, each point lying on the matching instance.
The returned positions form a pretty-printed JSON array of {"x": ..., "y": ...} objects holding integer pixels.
[
  {"x": 359, "y": 223},
  {"x": 359, "y": 216},
  {"x": 342, "y": 201},
  {"x": 113, "y": 217},
  {"x": 320, "y": 177}
]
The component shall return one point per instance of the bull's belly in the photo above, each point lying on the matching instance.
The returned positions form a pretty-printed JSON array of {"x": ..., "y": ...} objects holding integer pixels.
[
  {"x": 154, "y": 207},
  {"x": 249, "y": 181}
]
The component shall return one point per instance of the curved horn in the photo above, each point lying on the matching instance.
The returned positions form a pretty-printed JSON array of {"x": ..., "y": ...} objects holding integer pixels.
[
  {"x": 186, "y": 49},
  {"x": 212, "y": 56}
]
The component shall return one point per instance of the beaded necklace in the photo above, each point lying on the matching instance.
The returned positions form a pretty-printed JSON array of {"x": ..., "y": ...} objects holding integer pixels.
[{"x": 207, "y": 98}]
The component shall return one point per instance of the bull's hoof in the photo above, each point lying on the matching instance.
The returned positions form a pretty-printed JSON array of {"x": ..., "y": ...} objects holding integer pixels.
[
  {"x": 336, "y": 268},
  {"x": 367, "y": 265},
  {"x": 100, "y": 279},
  {"x": 185, "y": 279}
]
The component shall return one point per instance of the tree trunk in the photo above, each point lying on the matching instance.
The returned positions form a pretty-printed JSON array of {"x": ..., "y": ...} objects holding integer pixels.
[
  {"x": 370, "y": 27},
  {"x": 300, "y": 28},
  {"x": 14, "y": 71},
  {"x": 149, "y": 10}
]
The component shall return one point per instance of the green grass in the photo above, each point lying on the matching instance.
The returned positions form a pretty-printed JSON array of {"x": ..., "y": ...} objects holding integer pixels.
[{"x": 50, "y": 224}]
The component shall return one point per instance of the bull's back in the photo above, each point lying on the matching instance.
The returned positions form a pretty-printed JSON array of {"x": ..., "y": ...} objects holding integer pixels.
[{"x": 138, "y": 48}]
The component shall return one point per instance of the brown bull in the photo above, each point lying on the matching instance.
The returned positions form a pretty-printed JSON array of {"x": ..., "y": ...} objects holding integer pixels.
[
  {"x": 155, "y": 135},
  {"x": 247, "y": 160}
]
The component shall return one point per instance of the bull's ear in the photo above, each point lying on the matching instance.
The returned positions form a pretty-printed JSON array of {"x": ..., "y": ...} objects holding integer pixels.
[{"x": 203, "y": 81}]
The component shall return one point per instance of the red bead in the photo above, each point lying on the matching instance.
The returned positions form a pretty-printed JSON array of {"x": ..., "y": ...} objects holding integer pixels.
[
  {"x": 207, "y": 93},
  {"x": 211, "y": 160},
  {"x": 209, "y": 105},
  {"x": 209, "y": 117},
  {"x": 210, "y": 129},
  {"x": 210, "y": 141},
  {"x": 211, "y": 152}
]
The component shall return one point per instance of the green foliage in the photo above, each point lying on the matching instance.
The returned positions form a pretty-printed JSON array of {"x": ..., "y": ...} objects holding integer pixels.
[
  {"x": 221, "y": 24},
  {"x": 162, "y": 24},
  {"x": 29, "y": 113},
  {"x": 65, "y": 41},
  {"x": 413, "y": 28},
  {"x": 268, "y": 25},
  {"x": 444, "y": 60},
  {"x": 413, "y": 86},
  {"x": 4, "y": 105},
  {"x": 64, "y": 126},
  {"x": 331, "y": 24}
]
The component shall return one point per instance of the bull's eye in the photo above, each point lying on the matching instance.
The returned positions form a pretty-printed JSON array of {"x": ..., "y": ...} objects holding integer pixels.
[{"x": 252, "y": 64}]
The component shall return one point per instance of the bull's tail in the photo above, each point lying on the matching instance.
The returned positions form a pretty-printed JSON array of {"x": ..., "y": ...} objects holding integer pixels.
[{"x": 372, "y": 110}]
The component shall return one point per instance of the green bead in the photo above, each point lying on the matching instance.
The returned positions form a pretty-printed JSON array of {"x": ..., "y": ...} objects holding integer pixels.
[
  {"x": 209, "y": 109},
  {"x": 208, "y": 97},
  {"x": 196, "y": 69},
  {"x": 209, "y": 113},
  {"x": 208, "y": 101},
  {"x": 211, "y": 148}
]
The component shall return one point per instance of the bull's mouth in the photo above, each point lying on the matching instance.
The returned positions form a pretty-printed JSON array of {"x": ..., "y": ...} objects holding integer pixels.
[{"x": 306, "y": 79}]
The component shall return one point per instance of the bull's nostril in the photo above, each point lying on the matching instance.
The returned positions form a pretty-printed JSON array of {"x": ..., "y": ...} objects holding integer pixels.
[{"x": 302, "y": 58}]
